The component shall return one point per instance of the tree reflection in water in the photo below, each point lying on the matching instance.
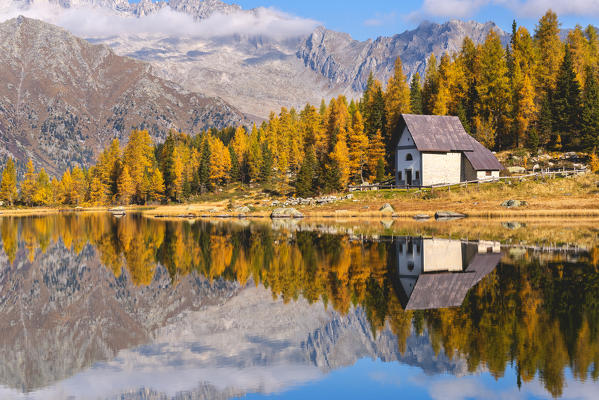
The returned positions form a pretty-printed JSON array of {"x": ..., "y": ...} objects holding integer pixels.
[{"x": 538, "y": 312}]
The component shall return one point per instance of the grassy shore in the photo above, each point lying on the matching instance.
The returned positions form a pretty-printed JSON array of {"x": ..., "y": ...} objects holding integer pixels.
[{"x": 559, "y": 197}]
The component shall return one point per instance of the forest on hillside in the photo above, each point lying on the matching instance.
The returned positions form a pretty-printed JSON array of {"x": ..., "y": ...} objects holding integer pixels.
[{"x": 538, "y": 92}]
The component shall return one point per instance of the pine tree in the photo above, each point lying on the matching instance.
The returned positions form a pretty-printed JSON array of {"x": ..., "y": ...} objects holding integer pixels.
[
  {"x": 126, "y": 186},
  {"x": 204, "y": 169},
  {"x": 176, "y": 175},
  {"x": 267, "y": 163},
  {"x": 590, "y": 111},
  {"x": 380, "y": 170},
  {"x": 566, "y": 105},
  {"x": 304, "y": 184},
  {"x": 28, "y": 185},
  {"x": 415, "y": 95},
  {"x": 8, "y": 187}
]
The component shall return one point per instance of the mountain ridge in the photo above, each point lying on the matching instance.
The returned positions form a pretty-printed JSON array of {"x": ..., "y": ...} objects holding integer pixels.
[
  {"x": 63, "y": 99},
  {"x": 258, "y": 72}
]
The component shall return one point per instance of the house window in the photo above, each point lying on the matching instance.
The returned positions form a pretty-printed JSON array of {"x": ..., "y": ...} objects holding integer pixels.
[
  {"x": 417, "y": 175},
  {"x": 409, "y": 157},
  {"x": 488, "y": 173},
  {"x": 399, "y": 176}
]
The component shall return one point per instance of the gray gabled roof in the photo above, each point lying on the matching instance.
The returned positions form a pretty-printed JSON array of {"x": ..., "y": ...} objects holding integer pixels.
[
  {"x": 482, "y": 159},
  {"x": 445, "y": 133},
  {"x": 438, "y": 133},
  {"x": 448, "y": 289}
]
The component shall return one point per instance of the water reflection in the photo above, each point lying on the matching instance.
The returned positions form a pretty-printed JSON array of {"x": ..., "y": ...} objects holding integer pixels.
[
  {"x": 438, "y": 273},
  {"x": 97, "y": 306}
]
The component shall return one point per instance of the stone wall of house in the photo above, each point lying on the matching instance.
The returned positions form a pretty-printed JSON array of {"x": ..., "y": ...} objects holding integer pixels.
[{"x": 440, "y": 168}]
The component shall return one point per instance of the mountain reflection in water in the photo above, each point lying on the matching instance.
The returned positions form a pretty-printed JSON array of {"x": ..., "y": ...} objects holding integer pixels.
[{"x": 97, "y": 307}]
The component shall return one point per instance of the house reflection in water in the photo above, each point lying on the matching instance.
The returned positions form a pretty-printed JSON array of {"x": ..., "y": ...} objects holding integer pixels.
[{"x": 438, "y": 273}]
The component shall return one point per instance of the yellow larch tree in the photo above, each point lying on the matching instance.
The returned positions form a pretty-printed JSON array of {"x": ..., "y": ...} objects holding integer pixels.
[
  {"x": 126, "y": 186},
  {"x": 376, "y": 152},
  {"x": 220, "y": 161},
  {"x": 357, "y": 142},
  {"x": 397, "y": 96},
  {"x": 28, "y": 185}
]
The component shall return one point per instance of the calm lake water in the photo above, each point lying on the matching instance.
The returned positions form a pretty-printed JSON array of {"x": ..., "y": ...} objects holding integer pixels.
[{"x": 94, "y": 306}]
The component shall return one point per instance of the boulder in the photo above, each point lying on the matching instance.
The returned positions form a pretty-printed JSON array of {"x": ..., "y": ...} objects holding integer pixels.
[
  {"x": 421, "y": 217},
  {"x": 513, "y": 225},
  {"x": 446, "y": 215},
  {"x": 242, "y": 210},
  {"x": 516, "y": 170},
  {"x": 513, "y": 203},
  {"x": 286, "y": 213},
  {"x": 386, "y": 208}
]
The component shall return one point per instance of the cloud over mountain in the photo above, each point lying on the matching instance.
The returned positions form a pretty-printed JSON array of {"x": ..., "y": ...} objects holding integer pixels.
[{"x": 88, "y": 20}]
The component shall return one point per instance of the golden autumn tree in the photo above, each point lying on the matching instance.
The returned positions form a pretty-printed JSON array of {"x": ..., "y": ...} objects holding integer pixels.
[
  {"x": 340, "y": 158},
  {"x": 28, "y": 185},
  {"x": 397, "y": 96},
  {"x": 126, "y": 186},
  {"x": 220, "y": 161},
  {"x": 157, "y": 185},
  {"x": 549, "y": 51},
  {"x": 357, "y": 143},
  {"x": 376, "y": 153},
  {"x": 523, "y": 85},
  {"x": 43, "y": 189},
  {"x": 8, "y": 186}
]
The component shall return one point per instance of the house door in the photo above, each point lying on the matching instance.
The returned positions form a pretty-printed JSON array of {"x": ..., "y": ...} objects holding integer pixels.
[{"x": 409, "y": 177}]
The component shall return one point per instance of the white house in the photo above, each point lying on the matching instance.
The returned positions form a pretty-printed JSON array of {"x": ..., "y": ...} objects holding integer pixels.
[
  {"x": 438, "y": 273},
  {"x": 435, "y": 149}
]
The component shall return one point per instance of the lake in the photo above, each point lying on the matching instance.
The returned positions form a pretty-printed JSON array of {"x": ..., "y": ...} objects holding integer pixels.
[{"x": 95, "y": 306}]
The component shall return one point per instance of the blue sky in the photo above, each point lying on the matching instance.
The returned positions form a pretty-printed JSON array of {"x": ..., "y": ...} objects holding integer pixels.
[{"x": 372, "y": 18}]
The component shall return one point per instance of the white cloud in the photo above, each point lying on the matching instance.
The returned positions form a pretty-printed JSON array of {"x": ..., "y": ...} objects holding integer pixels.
[
  {"x": 96, "y": 22},
  {"x": 522, "y": 8}
]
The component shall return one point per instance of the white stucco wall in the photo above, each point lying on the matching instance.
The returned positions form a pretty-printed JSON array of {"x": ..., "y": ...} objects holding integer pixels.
[
  {"x": 441, "y": 168},
  {"x": 409, "y": 263},
  {"x": 401, "y": 164},
  {"x": 481, "y": 175},
  {"x": 442, "y": 255}
]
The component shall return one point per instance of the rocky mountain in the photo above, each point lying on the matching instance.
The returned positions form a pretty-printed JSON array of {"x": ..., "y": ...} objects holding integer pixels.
[
  {"x": 62, "y": 98},
  {"x": 261, "y": 70},
  {"x": 348, "y": 62}
]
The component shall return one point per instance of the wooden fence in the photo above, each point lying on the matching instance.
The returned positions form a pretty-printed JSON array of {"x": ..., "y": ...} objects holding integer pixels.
[{"x": 542, "y": 174}]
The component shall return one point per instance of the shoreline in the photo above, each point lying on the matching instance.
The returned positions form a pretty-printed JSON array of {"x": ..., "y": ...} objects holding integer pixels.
[{"x": 213, "y": 211}]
